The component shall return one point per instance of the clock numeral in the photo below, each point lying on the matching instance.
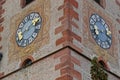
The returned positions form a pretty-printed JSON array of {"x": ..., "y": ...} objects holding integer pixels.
[
  {"x": 109, "y": 41},
  {"x": 17, "y": 38},
  {"x": 34, "y": 35},
  {"x": 91, "y": 27},
  {"x": 31, "y": 16},
  {"x": 20, "y": 42},
  {"x": 92, "y": 22},
  {"x": 95, "y": 36},
  {"x": 99, "y": 41},
  {"x": 26, "y": 19},
  {"x": 94, "y": 18},
  {"x": 24, "y": 43},
  {"x": 18, "y": 31},
  {"x": 98, "y": 18},
  {"x": 30, "y": 39},
  {"x": 102, "y": 21},
  {"x": 107, "y": 44},
  {"x": 103, "y": 45},
  {"x": 38, "y": 26},
  {"x": 106, "y": 26},
  {"x": 36, "y": 16},
  {"x": 21, "y": 25}
]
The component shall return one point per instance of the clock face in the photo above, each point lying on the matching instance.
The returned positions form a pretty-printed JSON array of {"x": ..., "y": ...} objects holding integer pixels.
[
  {"x": 28, "y": 29},
  {"x": 100, "y": 31}
]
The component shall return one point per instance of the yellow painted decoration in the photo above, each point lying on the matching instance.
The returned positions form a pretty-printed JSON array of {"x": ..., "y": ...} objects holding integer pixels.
[
  {"x": 108, "y": 32},
  {"x": 20, "y": 36},
  {"x": 96, "y": 29},
  {"x": 35, "y": 21}
]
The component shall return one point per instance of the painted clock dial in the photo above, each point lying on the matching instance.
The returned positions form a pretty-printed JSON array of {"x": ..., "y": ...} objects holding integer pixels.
[
  {"x": 28, "y": 29},
  {"x": 100, "y": 31}
]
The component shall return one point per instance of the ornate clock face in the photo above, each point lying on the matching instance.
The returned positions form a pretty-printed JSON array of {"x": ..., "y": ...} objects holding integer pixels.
[
  {"x": 28, "y": 29},
  {"x": 100, "y": 31}
]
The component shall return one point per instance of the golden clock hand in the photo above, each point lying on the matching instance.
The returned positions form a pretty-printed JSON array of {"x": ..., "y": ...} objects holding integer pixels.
[
  {"x": 33, "y": 24},
  {"x": 20, "y": 36},
  {"x": 35, "y": 21},
  {"x": 96, "y": 29},
  {"x": 108, "y": 32}
]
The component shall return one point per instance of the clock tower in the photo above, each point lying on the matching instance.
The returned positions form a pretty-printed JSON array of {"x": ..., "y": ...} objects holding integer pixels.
[{"x": 58, "y": 39}]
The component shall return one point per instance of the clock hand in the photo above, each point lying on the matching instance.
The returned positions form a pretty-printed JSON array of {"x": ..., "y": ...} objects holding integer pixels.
[
  {"x": 108, "y": 32},
  {"x": 35, "y": 21},
  {"x": 20, "y": 36},
  {"x": 96, "y": 29}
]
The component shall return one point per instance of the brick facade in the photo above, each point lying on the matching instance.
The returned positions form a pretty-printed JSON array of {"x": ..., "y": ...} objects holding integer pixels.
[
  {"x": 1, "y": 26},
  {"x": 66, "y": 65},
  {"x": 1, "y": 18},
  {"x": 66, "y": 22},
  {"x": 64, "y": 47}
]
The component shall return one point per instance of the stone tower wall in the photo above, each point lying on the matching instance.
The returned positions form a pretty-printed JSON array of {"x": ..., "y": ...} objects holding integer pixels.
[{"x": 64, "y": 46}]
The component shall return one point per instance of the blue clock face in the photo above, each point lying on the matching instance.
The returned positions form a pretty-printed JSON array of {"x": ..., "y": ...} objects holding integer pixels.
[
  {"x": 100, "y": 31},
  {"x": 28, "y": 29}
]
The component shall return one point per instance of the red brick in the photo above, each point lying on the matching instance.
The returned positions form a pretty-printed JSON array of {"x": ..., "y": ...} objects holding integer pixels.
[
  {"x": 103, "y": 3},
  {"x": 70, "y": 58},
  {"x": 73, "y": 2},
  {"x": 22, "y": 3},
  {"x": 68, "y": 36},
  {"x": 68, "y": 12},
  {"x": 118, "y": 20},
  {"x": 1, "y": 74},
  {"x": 0, "y": 47},
  {"x": 66, "y": 21},
  {"x": 65, "y": 70},
  {"x": 2, "y": 11},
  {"x": 71, "y": 13},
  {"x": 63, "y": 27},
  {"x": 67, "y": 33},
  {"x": 72, "y": 72},
  {"x": 1, "y": 20},
  {"x": 61, "y": 7},
  {"x": 65, "y": 77},
  {"x": 0, "y": 38},
  {"x": 60, "y": 41},
  {"x": 66, "y": 63},
  {"x": 1, "y": 28},
  {"x": 75, "y": 47},
  {"x": 74, "y": 24},
  {"x": 78, "y": 38},
  {"x": 62, "y": 53},
  {"x": 59, "y": 29},
  {"x": 65, "y": 58},
  {"x": 118, "y": 2},
  {"x": 0, "y": 7},
  {"x": 76, "y": 74},
  {"x": 2, "y": 2},
  {"x": 65, "y": 5},
  {"x": 75, "y": 61}
]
